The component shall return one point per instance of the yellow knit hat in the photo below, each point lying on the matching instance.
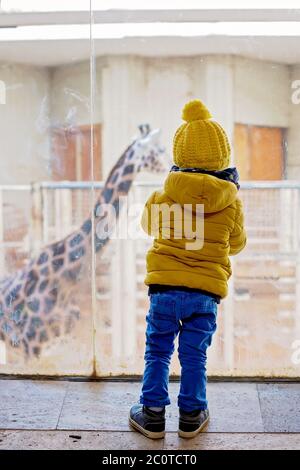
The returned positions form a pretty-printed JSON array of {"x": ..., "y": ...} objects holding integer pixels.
[{"x": 200, "y": 142}]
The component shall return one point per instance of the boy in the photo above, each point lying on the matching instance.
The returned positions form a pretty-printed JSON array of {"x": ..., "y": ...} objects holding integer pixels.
[{"x": 186, "y": 284}]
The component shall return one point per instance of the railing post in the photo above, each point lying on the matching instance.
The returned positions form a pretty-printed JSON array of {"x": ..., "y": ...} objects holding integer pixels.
[
  {"x": 2, "y": 248},
  {"x": 3, "y": 359},
  {"x": 57, "y": 215},
  {"x": 36, "y": 218},
  {"x": 66, "y": 211},
  {"x": 117, "y": 304},
  {"x": 286, "y": 223},
  {"x": 2, "y": 268},
  {"x": 128, "y": 268},
  {"x": 228, "y": 315},
  {"x": 45, "y": 216},
  {"x": 296, "y": 247}
]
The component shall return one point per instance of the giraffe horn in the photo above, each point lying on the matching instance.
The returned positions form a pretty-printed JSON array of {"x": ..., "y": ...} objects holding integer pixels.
[{"x": 144, "y": 129}]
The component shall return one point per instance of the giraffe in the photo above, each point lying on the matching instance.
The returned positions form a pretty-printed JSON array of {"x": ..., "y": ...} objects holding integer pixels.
[{"x": 38, "y": 302}]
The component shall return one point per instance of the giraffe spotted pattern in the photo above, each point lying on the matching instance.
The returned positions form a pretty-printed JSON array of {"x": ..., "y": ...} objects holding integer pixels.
[{"x": 39, "y": 302}]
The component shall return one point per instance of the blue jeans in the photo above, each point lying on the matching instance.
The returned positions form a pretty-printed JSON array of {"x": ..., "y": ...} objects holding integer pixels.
[{"x": 193, "y": 316}]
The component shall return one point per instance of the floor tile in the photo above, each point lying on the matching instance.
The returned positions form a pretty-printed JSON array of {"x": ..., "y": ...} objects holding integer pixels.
[
  {"x": 280, "y": 406},
  {"x": 76, "y": 440},
  {"x": 100, "y": 406},
  {"x": 31, "y": 404},
  {"x": 234, "y": 407},
  {"x": 104, "y": 406},
  {"x": 234, "y": 441}
]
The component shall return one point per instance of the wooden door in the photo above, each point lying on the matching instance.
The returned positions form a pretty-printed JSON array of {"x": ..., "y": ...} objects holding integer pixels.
[
  {"x": 259, "y": 152},
  {"x": 71, "y": 153}
]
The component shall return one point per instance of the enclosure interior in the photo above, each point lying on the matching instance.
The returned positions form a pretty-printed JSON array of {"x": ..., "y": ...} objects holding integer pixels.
[{"x": 73, "y": 95}]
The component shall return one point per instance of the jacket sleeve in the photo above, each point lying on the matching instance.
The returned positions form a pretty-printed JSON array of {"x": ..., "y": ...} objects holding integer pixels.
[
  {"x": 238, "y": 237},
  {"x": 146, "y": 216}
]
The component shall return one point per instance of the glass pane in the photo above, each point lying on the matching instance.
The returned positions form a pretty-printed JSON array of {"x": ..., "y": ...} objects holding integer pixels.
[
  {"x": 88, "y": 113},
  {"x": 45, "y": 254},
  {"x": 246, "y": 79}
]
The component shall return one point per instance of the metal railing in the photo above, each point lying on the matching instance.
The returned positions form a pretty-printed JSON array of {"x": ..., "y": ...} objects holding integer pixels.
[{"x": 264, "y": 289}]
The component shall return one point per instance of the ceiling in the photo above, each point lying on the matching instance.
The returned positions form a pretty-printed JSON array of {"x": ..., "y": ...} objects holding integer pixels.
[
  {"x": 59, "y": 52},
  {"x": 65, "y": 36}
]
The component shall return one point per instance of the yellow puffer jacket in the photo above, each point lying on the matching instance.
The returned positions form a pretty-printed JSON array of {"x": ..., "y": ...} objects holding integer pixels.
[{"x": 208, "y": 268}]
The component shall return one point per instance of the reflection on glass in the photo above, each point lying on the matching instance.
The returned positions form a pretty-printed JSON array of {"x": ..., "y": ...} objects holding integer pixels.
[{"x": 64, "y": 311}]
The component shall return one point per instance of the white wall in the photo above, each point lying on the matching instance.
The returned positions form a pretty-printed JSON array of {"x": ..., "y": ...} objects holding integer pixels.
[
  {"x": 131, "y": 90},
  {"x": 24, "y": 149},
  {"x": 235, "y": 89},
  {"x": 261, "y": 93},
  {"x": 70, "y": 94},
  {"x": 137, "y": 90},
  {"x": 293, "y": 170}
]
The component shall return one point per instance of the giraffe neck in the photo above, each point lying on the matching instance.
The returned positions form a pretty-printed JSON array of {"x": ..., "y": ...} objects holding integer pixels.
[
  {"x": 41, "y": 299},
  {"x": 66, "y": 259},
  {"x": 117, "y": 184}
]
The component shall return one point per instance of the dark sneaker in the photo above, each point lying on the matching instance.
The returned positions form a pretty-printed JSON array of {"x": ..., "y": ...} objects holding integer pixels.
[
  {"x": 148, "y": 422},
  {"x": 191, "y": 423}
]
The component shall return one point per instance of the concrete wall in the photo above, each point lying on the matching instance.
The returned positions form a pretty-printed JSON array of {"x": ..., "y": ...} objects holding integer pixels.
[
  {"x": 70, "y": 94},
  {"x": 130, "y": 90},
  {"x": 293, "y": 170},
  {"x": 24, "y": 150},
  {"x": 261, "y": 93},
  {"x": 137, "y": 90},
  {"x": 236, "y": 90},
  {"x": 36, "y": 99}
]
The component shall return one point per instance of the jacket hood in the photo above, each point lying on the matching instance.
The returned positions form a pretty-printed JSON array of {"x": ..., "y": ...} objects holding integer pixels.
[{"x": 199, "y": 188}]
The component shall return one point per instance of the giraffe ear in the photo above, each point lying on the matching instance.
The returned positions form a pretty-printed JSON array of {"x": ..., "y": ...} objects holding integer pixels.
[
  {"x": 144, "y": 129},
  {"x": 155, "y": 134},
  {"x": 152, "y": 137}
]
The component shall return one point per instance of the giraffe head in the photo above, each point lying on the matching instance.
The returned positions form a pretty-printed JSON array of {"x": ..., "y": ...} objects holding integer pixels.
[
  {"x": 150, "y": 155},
  {"x": 144, "y": 154}
]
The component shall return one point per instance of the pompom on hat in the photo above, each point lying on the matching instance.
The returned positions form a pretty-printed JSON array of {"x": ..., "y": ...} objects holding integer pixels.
[{"x": 200, "y": 142}]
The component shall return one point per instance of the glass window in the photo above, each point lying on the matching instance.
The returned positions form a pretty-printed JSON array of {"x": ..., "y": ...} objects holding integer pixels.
[{"x": 89, "y": 104}]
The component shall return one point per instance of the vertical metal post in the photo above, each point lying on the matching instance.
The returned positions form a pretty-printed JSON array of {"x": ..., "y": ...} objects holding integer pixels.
[
  {"x": 296, "y": 247},
  {"x": 228, "y": 314},
  {"x": 36, "y": 218},
  {"x": 2, "y": 248},
  {"x": 66, "y": 210},
  {"x": 57, "y": 214},
  {"x": 78, "y": 162},
  {"x": 117, "y": 304},
  {"x": 2, "y": 269},
  {"x": 45, "y": 217},
  {"x": 129, "y": 313}
]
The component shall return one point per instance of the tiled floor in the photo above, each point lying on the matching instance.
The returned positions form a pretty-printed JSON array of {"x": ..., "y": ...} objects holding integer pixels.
[{"x": 48, "y": 414}]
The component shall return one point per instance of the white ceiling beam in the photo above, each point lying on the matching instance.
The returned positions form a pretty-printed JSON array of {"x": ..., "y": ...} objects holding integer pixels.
[{"x": 14, "y": 19}]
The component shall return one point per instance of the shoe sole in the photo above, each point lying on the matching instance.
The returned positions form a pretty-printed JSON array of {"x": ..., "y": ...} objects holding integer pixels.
[
  {"x": 150, "y": 434},
  {"x": 189, "y": 435}
]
